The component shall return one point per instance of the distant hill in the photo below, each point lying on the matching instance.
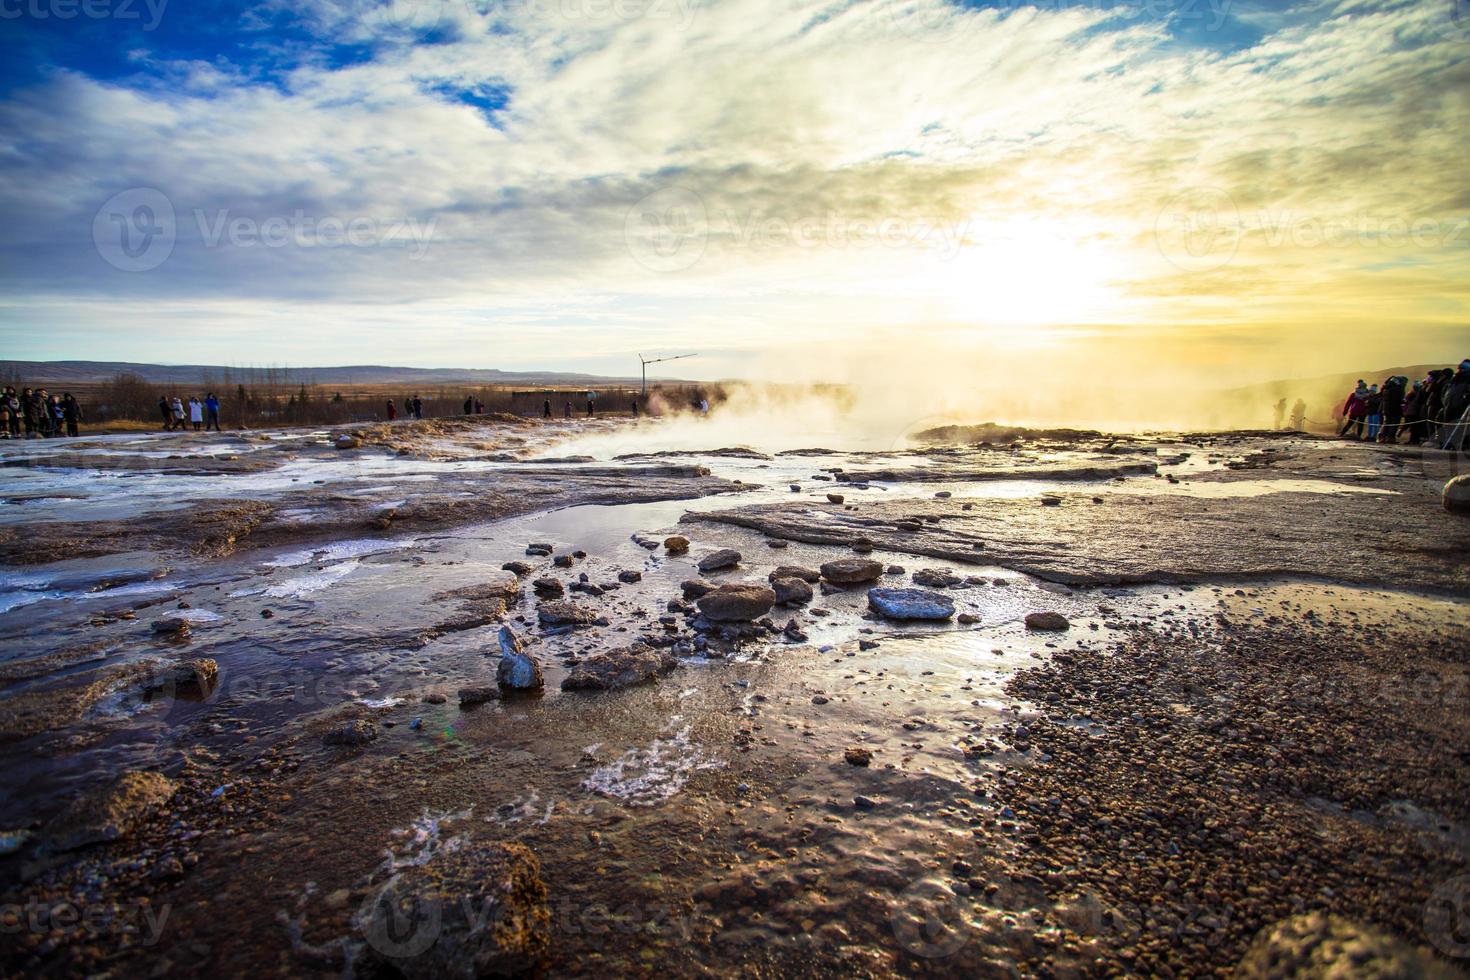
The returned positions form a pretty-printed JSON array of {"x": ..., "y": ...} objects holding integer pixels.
[{"x": 84, "y": 372}]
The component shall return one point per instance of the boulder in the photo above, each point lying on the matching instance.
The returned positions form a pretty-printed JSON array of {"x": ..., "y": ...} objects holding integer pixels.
[
  {"x": 676, "y": 544},
  {"x": 111, "y": 813},
  {"x": 856, "y": 755},
  {"x": 1457, "y": 495},
  {"x": 561, "y": 612},
  {"x": 518, "y": 670},
  {"x": 517, "y": 567},
  {"x": 622, "y": 667},
  {"x": 795, "y": 571},
  {"x": 910, "y": 604},
  {"x": 851, "y": 571},
  {"x": 628, "y": 576},
  {"x": 835, "y": 498},
  {"x": 474, "y": 911},
  {"x": 1047, "y": 622},
  {"x": 737, "y": 603},
  {"x": 1318, "y": 946},
  {"x": 724, "y": 558},
  {"x": 347, "y": 441},
  {"x": 359, "y": 731},
  {"x": 791, "y": 591}
]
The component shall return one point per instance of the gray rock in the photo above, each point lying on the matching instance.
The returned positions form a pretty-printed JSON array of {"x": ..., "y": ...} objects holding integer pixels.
[
  {"x": 724, "y": 558},
  {"x": 518, "y": 670},
  {"x": 910, "y": 604},
  {"x": 622, "y": 667},
  {"x": 851, "y": 571},
  {"x": 737, "y": 603}
]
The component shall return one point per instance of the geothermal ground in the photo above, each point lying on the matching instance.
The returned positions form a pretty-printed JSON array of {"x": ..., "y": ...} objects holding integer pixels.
[{"x": 252, "y": 724}]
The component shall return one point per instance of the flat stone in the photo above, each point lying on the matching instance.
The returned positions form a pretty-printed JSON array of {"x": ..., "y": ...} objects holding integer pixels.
[
  {"x": 851, "y": 571},
  {"x": 478, "y": 695},
  {"x": 724, "y": 558},
  {"x": 910, "y": 604}
]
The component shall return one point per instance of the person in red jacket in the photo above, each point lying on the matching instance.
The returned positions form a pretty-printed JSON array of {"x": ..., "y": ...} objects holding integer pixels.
[{"x": 1355, "y": 410}]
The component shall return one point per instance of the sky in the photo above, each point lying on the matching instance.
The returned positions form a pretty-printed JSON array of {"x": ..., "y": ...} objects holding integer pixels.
[{"x": 1103, "y": 192}]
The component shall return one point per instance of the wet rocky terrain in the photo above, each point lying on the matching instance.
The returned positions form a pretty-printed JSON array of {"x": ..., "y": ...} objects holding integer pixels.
[{"x": 487, "y": 697}]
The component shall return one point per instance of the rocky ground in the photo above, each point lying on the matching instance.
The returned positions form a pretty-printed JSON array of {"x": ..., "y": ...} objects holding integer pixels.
[{"x": 1059, "y": 704}]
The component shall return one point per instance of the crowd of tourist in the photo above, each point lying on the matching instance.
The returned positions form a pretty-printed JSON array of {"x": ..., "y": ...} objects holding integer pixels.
[
  {"x": 35, "y": 413},
  {"x": 1433, "y": 409}
]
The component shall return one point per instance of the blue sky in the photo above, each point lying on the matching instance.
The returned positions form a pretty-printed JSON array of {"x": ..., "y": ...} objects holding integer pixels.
[{"x": 565, "y": 183}]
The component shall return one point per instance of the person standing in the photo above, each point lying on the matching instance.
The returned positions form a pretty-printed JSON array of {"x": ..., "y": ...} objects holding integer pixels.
[
  {"x": 176, "y": 406},
  {"x": 57, "y": 411},
  {"x": 12, "y": 404},
  {"x": 392, "y": 410},
  {"x": 418, "y": 408},
  {"x": 211, "y": 411},
  {"x": 1456, "y": 404},
  {"x": 1299, "y": 416},
  {"x": 28, "y": 412},
  {"x": 196, "y": 412},
  {"x": 469, "y": 405},
  {"x": 591, "y": 400},
  {"x": 1414, "y": 404},
  {"x": 546, "y": 409},
  {"x": 166, "y": 412},
  {"x": 1391, "y": 398},
  {"x": 1374, "y": 412},
  {"x": 1280, "y": 415},
  {"x": 71, "y": 411},
  {"x": 567, "y": 410}
]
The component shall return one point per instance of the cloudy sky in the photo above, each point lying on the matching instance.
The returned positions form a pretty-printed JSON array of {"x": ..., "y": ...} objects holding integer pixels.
[{"x": 1240, "y": 187}]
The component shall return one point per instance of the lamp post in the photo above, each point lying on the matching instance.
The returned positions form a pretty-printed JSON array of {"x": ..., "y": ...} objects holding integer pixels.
[{"x": 643, "y": 393}]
